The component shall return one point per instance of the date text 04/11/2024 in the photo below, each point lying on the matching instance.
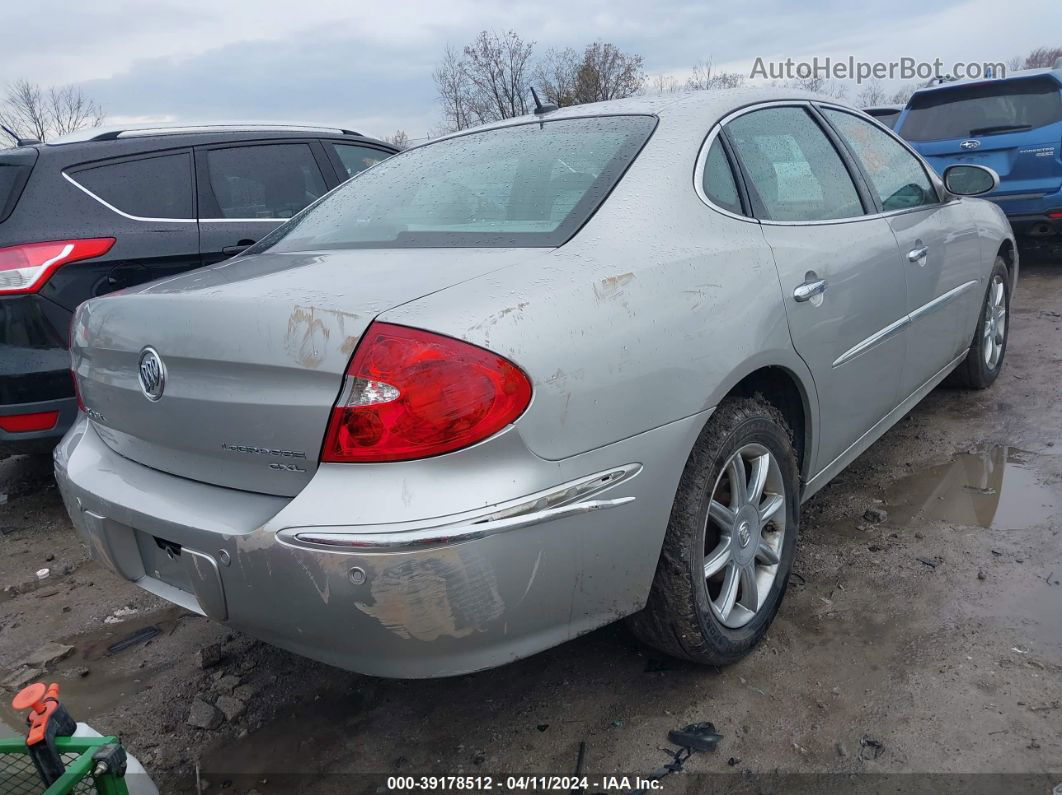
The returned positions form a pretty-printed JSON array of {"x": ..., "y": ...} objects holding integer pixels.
[{"x": 520, "y": 783}]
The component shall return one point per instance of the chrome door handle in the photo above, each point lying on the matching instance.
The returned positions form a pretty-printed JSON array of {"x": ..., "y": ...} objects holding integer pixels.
[
  {"x": 918, "y": 254},
  {"x": 808, "y": 290}
]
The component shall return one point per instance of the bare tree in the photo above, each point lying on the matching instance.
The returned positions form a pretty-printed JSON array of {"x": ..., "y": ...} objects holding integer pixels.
[
  {"x": 871, "y": 94},
  {"x": 606, "y": 72},
  {"x": 703, "y": 77},
  {"x": 32, "y": 112},
  {"x": 662, "y": 83},
  {"x": 601, "y": 73},
  {"x": 498, "y": 68},
  {"x": 455, "y": 91},
  {"x": 818, "y": 85},
  {"x": 555, "y": 76},
  {"x": 1042, "y": 58},
  {"x": 1015, "y": 63},
  {"x": 398, "y": 139}
]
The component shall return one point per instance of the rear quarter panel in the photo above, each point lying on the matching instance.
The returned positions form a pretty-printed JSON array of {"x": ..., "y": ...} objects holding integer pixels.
[{"x": 651, "y": 313}]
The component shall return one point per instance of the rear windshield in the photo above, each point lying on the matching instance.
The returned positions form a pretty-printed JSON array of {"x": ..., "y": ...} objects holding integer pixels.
[
  {"x": 983, "y": 109},
  {"x": 15, "y": 167},
  {"x": 532, "y": 184}
]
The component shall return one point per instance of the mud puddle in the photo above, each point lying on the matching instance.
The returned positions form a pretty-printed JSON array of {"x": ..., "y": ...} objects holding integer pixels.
[
  {"x": 302, "y": 742},
  {"x": 1003, "y": 488},
  {"x": 96, "y": 678}
]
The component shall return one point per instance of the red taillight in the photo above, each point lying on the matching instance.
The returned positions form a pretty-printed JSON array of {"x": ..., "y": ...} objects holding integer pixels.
[
  {"x": 24, "y": 423},
  {"x": 412, "y": 394},
  {"x": 1055, "y": 214},
  {"x": 26, "y": 267}
]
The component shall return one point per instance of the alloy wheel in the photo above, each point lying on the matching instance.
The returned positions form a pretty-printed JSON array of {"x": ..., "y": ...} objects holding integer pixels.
[
  {"x": 743, "y": 535},
  {"x": 995, "y": 323}
]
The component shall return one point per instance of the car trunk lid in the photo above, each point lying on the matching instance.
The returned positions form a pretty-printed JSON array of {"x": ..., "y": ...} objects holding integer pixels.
[{"x": 252, "y": 354}]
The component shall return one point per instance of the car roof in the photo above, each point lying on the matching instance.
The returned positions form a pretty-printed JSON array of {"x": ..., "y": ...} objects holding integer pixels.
[
  {"x": 115, "y": 132},
  {"x": 695, "y": 106},
  {"x": 1021, "y": 74},
  {"x": 120, "y": 140}
]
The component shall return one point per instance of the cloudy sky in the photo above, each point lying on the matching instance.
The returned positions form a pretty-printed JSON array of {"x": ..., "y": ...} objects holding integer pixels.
[{"x": 368, "y": 65}]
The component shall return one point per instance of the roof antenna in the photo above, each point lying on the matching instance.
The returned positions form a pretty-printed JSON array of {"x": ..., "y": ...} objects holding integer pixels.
[
  {"x": 19, "y": 141},
  {"x": 541, "y": 109}
]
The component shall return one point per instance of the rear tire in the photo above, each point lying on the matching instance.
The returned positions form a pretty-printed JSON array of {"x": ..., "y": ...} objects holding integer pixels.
[
  {"x": 984, "y": 360},
  {"x": 721, "y": 575}
]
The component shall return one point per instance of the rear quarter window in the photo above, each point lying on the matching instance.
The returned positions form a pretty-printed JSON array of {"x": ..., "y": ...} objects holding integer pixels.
[
  {"x": 983, "y": 109},
  {"x": 356, "y": 159},
  {"x": 15, "y": 168},
  {"x": 150, "y": 187}
]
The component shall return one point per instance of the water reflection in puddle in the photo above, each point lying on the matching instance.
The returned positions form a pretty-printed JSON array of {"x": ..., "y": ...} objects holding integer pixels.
[{"x": 1000, "y": 488}]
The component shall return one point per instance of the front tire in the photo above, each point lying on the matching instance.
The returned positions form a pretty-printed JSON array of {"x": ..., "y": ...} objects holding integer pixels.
[
  {"x": 984, "y": 361},
  {"x": 730, "y": 541}
]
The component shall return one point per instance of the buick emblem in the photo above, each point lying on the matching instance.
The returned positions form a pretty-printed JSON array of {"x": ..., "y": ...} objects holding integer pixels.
[
  {"x": 970, "y": 144},
  {"x": 744, "y": 534},
  {"x": 152, "y": 374}
]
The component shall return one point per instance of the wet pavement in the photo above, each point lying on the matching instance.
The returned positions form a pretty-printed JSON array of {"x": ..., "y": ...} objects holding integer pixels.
[{"x": 922, "y": 632}]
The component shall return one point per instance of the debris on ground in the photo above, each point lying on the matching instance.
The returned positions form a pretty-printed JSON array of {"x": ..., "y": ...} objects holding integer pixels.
[
  {"x": 202, "y": 715},
  {"x": 142, "y": 635},
  {"x": 209, "y": 656},
  {"x": 119, "y": 615},
  {"x": 231, "y": 707},
  {"x": 869, "y": 748},
  {"x": 875, "y": 515}
]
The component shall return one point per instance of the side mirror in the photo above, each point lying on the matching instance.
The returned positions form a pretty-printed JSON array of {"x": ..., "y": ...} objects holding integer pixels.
[{"x": 965, "y": 179}]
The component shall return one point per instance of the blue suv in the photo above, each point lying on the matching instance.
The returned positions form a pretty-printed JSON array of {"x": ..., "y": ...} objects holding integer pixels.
[{"x": 1012, "y": 125}]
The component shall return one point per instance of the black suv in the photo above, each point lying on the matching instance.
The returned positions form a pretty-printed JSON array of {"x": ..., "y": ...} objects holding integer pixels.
[{"x": 97, "y": 211}]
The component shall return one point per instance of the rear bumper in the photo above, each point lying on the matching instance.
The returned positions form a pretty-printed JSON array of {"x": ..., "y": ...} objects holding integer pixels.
[
  {"x": 409, "y": 599},
  {"x": 34, "y": 370},
  {"x": 1036, "y": 226}
]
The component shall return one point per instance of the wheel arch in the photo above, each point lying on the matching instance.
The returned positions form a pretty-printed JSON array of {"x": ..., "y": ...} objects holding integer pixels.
[
  {"x": 1009, "y": 252},
  {"x": 792, "y": 393}
]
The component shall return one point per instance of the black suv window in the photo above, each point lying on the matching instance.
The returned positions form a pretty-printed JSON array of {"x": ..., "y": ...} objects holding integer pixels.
[
  {"x": 983, "y": 109},
  {"x": 150, "y": 187},
  {"x": 358, "y": 158},
  {"x": 794, "y": 167},
  {"x": 263, "y": 181},
  {"x": 895, "y": 174}
]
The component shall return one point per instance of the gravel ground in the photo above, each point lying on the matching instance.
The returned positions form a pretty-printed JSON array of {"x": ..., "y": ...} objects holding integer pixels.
[{"x": 922, "y": 634}]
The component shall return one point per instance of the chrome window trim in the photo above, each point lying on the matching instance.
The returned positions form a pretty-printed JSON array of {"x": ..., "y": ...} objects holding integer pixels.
[
  {"x": 150, "y": 219},
  {"x": 778, "y": 103},
  {"x": 944, "y": 197},
  {"x": 882, "y": 334},
  {"x": 114, "y": 209},
  {"x": 698, "y": 178},
  {"x": 702, "y": 157}
]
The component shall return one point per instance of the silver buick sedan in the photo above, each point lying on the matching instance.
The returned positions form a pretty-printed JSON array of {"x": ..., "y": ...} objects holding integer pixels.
[{"x": 534, "y": 377}]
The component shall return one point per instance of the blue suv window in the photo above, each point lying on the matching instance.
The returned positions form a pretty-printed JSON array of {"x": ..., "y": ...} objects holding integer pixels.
[{"x": 983, "y": 109}]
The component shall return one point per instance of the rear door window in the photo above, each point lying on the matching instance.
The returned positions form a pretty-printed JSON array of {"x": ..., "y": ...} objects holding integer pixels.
[
  {"x": 896, "y": 176},
  {"x": 358, "y": 158},
  {"x": 262, "y": 181},
  {"x": 794, "y": 168},
  {"x": 149, "y": 187},
  {"x": 983, "y": 109}
]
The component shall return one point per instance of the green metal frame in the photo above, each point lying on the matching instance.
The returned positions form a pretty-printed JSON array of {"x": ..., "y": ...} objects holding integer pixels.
[{"x": 76, "y": 771}]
